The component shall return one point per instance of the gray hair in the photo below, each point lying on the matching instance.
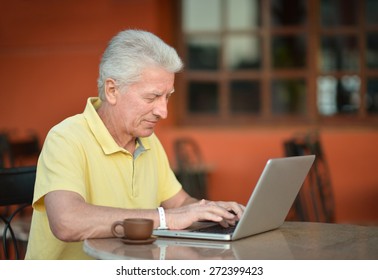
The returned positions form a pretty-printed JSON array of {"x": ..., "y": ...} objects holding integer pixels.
[{"x": 129, "y": 53}]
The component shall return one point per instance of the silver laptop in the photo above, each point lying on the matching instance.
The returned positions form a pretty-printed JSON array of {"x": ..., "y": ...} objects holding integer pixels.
[{"x": 267, "y": 207}]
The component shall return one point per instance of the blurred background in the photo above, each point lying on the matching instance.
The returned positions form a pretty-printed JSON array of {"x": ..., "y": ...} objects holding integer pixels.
[{"x": 262, "y": 79}]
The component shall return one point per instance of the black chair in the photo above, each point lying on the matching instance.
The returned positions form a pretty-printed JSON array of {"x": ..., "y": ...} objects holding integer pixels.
[
  {"x": 190, "y": 167},
  {"x": 315, "y": 201},
  {"x": 25, "y": 151},
  {"x": 6, "y": 156},
  {"x": 16, "y": 194}
]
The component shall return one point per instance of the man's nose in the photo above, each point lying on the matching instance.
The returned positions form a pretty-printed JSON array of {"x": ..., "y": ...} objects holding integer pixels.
[{"x": 161, "y": 108}]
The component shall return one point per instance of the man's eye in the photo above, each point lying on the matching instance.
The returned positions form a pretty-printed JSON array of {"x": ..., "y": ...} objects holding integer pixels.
[{"x": 151, "y": 98}]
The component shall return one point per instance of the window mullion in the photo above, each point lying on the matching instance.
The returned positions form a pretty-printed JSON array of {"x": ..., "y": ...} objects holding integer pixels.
[
  {"x": 223, "y": 81},
  {"x": 266, "y": 61},
  {"x": 362, "y": 58},
  {"x": 313, "y": 41}
]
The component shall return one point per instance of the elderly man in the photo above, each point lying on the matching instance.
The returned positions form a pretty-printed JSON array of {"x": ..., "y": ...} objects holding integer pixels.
[{"x": 107, "y": 164}]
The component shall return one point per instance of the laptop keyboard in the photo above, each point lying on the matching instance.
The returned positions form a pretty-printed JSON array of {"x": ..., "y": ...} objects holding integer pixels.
[{"x": 216, "y": 229}]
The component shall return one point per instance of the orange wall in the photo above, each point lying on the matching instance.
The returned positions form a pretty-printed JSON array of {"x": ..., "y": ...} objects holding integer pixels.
[
  {"x": 50, "y": 50},
  {"x": 49, "y": 54},
  {"x": 239, "y": 156}
]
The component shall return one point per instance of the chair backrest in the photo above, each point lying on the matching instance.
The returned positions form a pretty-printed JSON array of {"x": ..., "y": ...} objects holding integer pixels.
[
  {"x": 189, "y": 162},
  {"x": 315, "y": 201},
  {"x": 16, "y": 193},
  {"x": 188, "y": 153},
  {"x": 25, "y": 147},
  {"x": 6, "y": 157}
]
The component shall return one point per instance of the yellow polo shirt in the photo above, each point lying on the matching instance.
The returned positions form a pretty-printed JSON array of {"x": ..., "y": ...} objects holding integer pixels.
[{"x": 80, "y": 155}]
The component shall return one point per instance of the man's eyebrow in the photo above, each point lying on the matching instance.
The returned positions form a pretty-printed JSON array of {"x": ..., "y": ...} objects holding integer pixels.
[{"x": 159, "y": 93}]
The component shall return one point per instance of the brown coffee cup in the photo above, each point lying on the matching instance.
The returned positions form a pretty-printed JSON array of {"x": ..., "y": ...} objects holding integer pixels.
[{"x": 133, "y": 229}]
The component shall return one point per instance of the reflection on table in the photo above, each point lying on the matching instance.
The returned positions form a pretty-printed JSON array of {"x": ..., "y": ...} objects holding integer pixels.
[{"x": 293, "y": 240}]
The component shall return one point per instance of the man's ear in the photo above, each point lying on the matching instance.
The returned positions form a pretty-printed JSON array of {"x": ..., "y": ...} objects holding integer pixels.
[{"x": 111, "y": 91}]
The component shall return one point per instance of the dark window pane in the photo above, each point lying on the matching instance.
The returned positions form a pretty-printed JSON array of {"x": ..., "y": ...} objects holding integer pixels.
[
  {"x": 245, "y": 97},
  {"x": 338, "y": 12},
  {"x": 288, "y": 97},
  {"x": 243, "y": 14},
  {"x": 243, "y": 52},
  {"x": 288, "y": 52},
  {"x": 203, "y": 97},
  {"x": 371, "y": 11},
  {"x": 339, "y": 53},
  {"x": 288, "y": 12},
  {"x": 372, "y": 50},
  {"x": 338, "y": 95},
  {"x": 199, "y": 15},
  {"x": 203, "y": 53},
  {"x": 372, "y": 96}
]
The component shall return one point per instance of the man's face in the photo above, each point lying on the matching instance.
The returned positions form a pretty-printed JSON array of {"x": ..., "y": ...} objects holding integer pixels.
[{"x": 144, "y": 103}]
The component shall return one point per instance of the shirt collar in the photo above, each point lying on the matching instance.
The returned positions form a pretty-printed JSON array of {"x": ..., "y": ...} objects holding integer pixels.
[{"x": 101, "y": 133}]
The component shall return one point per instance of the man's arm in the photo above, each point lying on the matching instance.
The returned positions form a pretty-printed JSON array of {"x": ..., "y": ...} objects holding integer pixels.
[
  {"x": 72, "y": 219},
  {"x": 180, "y": 199}
]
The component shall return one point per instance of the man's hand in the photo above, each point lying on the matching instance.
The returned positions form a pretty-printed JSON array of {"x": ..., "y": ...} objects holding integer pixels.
[{"x": 225, "y": 213}]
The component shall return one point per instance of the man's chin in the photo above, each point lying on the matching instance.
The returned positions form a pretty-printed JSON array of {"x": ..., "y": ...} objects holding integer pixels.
[{"x": 146, "y": 132}]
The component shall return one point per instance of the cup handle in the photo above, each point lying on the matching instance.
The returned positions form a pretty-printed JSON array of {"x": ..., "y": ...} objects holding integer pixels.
[{"x": 114, "y": 227}]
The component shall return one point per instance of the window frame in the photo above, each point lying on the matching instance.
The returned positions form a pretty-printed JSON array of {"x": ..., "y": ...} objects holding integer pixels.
[{"x": 313, "y": 30}]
